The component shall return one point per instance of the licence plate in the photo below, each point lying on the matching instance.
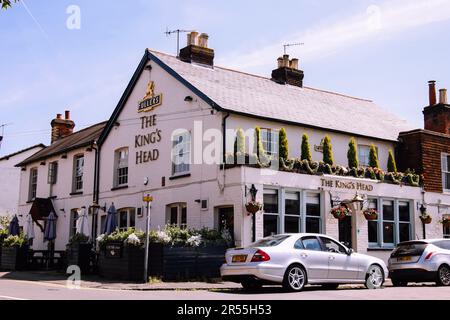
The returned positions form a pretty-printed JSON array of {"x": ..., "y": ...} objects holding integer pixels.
[
  {"x": 403, "y": 259},
  {"x": 239, "y": 258}
]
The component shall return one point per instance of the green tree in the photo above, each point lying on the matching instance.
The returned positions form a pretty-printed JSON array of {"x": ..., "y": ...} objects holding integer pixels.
[
  {"x": 5, "y": 4},
  {"x": 373, "y": 157},
  {"x": 306, "y": 150},
  {"x": 240, "y": 141},
  {"x": 327, "y": 151},
  {"x": 283, "y": 144},
  {"x": 258, "y": 147},
  {"x": 352, "y": 154},
  {"x": 391, "y": 165}
]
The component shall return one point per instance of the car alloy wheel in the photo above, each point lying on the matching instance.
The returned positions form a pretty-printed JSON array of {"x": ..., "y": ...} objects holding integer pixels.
[
  {"x": 295, "y": 278},
  {"x": 444, "y": 276},
  {"x": 375, "y": 277}
]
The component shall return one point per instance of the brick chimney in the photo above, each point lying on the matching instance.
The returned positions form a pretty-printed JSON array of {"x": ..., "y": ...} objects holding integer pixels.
[
  {"x": 437, "y": 114},
  {"x": 61, "y": 127},
  {"x": 288, "y": 72},
  {"x": 197, "y": 51}
]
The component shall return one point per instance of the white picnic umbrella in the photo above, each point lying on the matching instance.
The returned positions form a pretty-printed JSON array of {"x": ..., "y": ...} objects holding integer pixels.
[
  {"x": 83, "y": 223},
  {"x": 30, "y": 228}
]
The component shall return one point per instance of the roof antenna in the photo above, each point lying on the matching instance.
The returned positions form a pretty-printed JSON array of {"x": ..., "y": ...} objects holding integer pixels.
[
  {"x": 2, "y": 126},
  {"x": 177, "y": 31},
  {"x": 292, "y": 45}
]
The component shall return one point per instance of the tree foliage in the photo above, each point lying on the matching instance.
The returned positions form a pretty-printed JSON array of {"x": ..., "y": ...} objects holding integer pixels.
[
  {"x": 352, "y": 154},
  {"x": 258, "y": 145},
  {"x": 240, "y": 141},
  {"x": 306, "y": 149},
  {"x": 391, "y": 165},
  {"x": 373, "y": 157},
  {"x": 327, "y": 151},
  {"x": 283, "y": 144}
]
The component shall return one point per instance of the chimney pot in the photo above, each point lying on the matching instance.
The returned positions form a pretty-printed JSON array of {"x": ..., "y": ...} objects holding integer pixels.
[
  {"x": 443, "y": 96},
  {"x": 280, "y": 62},
  {"x": 294, "y": 63},
  {"x": 203, "y": 40},
  {"x": 59, "y": 116},
  {"x": 192, "y": 38},
  {"x": 67, "y": 115},
  {"x": 432, "y": 92},
  {"x": 286, "y": 60}
]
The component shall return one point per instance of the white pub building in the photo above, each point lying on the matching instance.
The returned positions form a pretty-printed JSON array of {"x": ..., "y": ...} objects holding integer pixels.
[{"x": 176, "y": 124}]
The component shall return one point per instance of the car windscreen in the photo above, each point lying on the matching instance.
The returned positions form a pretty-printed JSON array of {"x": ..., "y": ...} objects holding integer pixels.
[
  {"x": 272, "y": 241},
  {"x": 409, "y": 249}
]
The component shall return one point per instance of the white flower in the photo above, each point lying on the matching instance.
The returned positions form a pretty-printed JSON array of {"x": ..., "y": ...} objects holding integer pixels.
[
  {"x": 163, "y": 236},
  {"x": 194, "y": 240},
  {"x": 133, "y": 240},
  {"x": 101, "y": 237}
]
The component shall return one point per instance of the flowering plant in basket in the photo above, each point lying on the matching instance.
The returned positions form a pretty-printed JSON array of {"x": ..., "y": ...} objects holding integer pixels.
[
  {"x": 426, "y": 218},
  {"x": 340, "y": 212},
  {"x": 370, "y": 214},
  {"x": 445, "y": 221},
  {"x": 253, "y": 207}
]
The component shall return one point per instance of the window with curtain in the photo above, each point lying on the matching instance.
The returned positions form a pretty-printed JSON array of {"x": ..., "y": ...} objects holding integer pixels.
[
  {"x": 181, "y": 153},
  {"x": 33, "y": 184},
  {"x": 121, "y": 167},
  {"x": 269, "y": 139}
]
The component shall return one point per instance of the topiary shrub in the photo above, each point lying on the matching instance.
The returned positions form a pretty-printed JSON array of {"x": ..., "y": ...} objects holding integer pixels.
[
  {"x": 352, "y": 154},
  {"x": 258, "y": 145},
  {"x": 283, "y": 144},
  {"x": 373, "y": 157},
  {"x": 306, "y": 149},
  {"x": 391, "y": 165},
  {"x": 327, "y": 151}
]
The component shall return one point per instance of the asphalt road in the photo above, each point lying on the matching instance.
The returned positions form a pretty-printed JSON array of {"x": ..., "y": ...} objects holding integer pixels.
[{"x": 27, "y": 290}]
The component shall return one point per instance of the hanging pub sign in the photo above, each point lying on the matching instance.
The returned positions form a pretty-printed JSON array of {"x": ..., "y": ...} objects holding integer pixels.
[{"x": 150, "y": 101}]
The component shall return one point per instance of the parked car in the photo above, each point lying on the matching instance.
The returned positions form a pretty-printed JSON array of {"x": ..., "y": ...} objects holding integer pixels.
[
  {"x": 294, "y": 260},
  {"x": 420, "y": 261}
]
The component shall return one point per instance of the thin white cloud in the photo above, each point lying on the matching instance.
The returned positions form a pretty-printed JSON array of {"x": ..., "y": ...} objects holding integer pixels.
[{"x": 387, "y": 19}]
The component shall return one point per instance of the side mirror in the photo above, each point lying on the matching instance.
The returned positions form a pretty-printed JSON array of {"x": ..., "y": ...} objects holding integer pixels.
[{"x": 349, "y": 252}]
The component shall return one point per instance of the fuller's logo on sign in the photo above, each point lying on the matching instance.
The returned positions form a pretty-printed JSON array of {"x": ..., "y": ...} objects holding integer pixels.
[{"x": 150, "y": 101}]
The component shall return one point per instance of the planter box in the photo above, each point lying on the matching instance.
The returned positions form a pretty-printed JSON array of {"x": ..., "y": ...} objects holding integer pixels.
[
  {"x": 14, "y": 258},
  {"x": 120, "y": 262},
  {"x": 80, "y": 255}
]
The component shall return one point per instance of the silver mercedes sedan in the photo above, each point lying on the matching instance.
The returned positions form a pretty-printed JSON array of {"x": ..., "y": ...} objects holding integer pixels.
[{"x": 294, "y": 260}]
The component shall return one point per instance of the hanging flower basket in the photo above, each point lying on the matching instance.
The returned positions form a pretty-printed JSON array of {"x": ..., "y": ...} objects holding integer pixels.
[
  {"x": 370, "y": 214},
  {"x": 253, "y": 207},
  {"x": 340, "y": 212},
  {"x": 426, "y": 218}
]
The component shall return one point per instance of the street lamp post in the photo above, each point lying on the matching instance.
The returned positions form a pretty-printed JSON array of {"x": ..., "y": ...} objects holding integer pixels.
[{"x": 148, "y": 199}]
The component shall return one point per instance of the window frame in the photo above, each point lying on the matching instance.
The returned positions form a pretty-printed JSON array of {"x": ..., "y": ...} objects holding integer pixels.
[
  {"x": 303, "y": 216},
  {"x": 74, "y": 215},
  {"x": 446, "y": 232},
  {"x": 118, "y": 166},
  {"x": 52, "y": 176},
  {"x": 78, "y": 181},
  {"x": 129, "y": 212},
  {"x": 363, "y": 147},
  {"x": 175, "y": 154},
  {"x": 445, "y": 171},
  {"x": 180, "y": 206},
  {"x": 273, "y": 142},
  {"x": 32, "y": 184}
]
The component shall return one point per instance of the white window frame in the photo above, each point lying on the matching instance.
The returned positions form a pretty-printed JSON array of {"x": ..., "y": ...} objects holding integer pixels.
[
  {"x": 181, "y": 153},
  {"x": 52, "y": 177},
  {"x": 380, "y": 222},
  {"x": 179, "y": 206},
  {"x": 366, "y": 160},
  {"x": 303, "y": 195},
  {"x": 445, "y": 168},
  {"x": 78, "y": 172},
  {"x": 121, "y": 168},
  {"x": 270, "y": 141},
  {"x": 32, "y": 191},
  {"x": 129, "y": 212}
]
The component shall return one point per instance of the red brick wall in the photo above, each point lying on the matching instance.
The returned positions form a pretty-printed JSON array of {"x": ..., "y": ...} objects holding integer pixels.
[
  {"x": 437, "y": 118},
  {"x": 421, "y": 150}
]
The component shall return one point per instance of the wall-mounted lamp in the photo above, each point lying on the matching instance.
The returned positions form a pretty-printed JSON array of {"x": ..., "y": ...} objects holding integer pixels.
[
  {"x": 423, "y": 209},
  {"x": 253, "y": 191}
]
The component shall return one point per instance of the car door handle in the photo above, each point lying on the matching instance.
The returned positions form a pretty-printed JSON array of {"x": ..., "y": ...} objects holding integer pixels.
[{"x": 304, "y": 255}]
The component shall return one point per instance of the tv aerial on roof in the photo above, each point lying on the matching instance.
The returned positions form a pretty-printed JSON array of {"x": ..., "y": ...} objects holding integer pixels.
[
  {"x": 292, "y": 45},
  {"x": 177, "y": 31},
  {"x": 2, "y": 127}
]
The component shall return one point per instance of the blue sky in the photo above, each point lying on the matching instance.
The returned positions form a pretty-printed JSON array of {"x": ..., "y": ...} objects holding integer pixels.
[{"x": 382, "y": 50}]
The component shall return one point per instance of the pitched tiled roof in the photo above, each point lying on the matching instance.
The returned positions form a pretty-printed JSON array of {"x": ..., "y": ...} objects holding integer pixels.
[
  {"x": 8, "y": 156},
  {"x": 76, "y": 140},
  {"x": 253, "y": 95}
]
